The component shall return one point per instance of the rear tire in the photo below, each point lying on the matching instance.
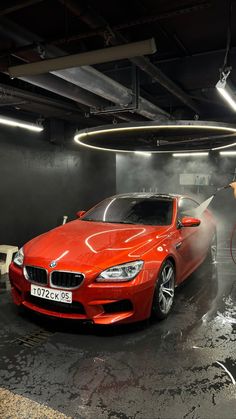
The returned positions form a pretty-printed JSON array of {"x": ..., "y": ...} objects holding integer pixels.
[{"x": 164, "y": 291}]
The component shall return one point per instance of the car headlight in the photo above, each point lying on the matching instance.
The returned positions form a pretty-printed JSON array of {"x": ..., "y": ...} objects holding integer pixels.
[
  {"x": 121, "y": 273},
  {"x": 19, "y": 257}
]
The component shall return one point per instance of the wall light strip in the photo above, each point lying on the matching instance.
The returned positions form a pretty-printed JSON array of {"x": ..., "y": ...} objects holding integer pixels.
[
  {"x": 228, "y": 153},
  {"x": 190, "y": 154},
  {"x": 16, "y": 123}
]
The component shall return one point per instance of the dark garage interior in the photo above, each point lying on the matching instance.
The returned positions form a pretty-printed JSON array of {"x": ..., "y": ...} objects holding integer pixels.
[{"x": 135, "y": 101}]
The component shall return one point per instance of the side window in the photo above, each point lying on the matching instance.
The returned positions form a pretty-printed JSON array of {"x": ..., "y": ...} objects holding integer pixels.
[{"x": 186, "y": 205}]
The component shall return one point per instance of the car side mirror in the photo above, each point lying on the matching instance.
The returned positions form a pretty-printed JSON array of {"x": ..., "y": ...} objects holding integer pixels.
[
  {"x": 80, "y": 214},
  {"x": 190, "y": 222}
]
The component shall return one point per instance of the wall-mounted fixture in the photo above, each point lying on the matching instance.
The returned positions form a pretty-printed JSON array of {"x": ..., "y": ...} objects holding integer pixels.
[{"x": 20, "y": 124}]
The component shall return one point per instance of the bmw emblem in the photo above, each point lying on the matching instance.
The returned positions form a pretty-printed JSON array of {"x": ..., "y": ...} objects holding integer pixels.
[{"x": 53, "y": 264}]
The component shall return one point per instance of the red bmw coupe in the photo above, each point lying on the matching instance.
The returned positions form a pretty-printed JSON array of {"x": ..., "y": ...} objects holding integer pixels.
[{"x": 118, "y": 262}]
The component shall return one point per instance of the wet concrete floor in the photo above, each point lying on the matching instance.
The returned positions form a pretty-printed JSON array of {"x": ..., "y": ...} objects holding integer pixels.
[{"x": 182, "y": 367}]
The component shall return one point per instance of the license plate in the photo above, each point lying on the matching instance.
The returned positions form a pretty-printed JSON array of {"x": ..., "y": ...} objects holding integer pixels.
[{"x": 51, "y": 294}]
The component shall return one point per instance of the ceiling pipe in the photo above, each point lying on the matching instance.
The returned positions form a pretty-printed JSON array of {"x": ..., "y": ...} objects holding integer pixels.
[
  {"x": 13, "y": 93},
  {"x": 87, "y": 77},
  {"x": 112, "y": 91},
  {"x": 142, "y": 62},
  {"x": 63, "y": 88},
  {"x": 12, "y": 96}
]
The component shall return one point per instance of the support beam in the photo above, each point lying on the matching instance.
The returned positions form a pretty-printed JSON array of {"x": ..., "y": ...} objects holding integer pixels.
[{"x": 19, "y": 6}]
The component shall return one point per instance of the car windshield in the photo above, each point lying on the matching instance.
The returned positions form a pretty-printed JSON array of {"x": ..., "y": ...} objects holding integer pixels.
[{"x": 132, "y": 210}]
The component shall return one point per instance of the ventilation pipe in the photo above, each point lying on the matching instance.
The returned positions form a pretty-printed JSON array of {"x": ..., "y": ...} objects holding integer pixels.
[{"x": 101, "y": 85}]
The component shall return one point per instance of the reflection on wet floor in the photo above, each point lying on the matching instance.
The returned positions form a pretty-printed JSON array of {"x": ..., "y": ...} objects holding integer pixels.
[{"x": 182, "y": 367}]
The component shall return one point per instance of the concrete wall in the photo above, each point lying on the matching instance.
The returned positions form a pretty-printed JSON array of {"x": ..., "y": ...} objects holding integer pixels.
[{"x": 41, "y": 181}]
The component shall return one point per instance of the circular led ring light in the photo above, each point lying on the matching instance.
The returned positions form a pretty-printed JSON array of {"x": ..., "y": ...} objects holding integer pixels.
[{"x": 89, "y": 136}]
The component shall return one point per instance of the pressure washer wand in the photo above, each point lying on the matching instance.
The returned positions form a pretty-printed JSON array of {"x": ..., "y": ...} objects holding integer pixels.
[
  {"x": 222, "y": 187},
  {"x": 205, "y": 204}
]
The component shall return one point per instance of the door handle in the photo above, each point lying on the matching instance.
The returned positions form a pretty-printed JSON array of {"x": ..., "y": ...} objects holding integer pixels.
[{"x": 178, "y": 245}]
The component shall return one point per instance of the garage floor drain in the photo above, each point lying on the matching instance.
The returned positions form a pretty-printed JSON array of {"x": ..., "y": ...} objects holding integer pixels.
[{"x": 34, "y": 339}]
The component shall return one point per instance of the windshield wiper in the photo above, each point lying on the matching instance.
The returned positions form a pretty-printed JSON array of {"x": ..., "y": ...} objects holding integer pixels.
[
  {"x": 106, "y": 221},
  {"x": 123, "y": 222}
]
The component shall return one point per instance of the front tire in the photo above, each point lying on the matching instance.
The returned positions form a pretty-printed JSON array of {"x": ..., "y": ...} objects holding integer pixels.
[{"x": 164, "y": 291}]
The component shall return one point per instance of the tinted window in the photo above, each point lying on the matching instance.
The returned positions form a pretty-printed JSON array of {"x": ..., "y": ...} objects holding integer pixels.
[
  {"x": 185, "y": 206},
  {"x": 132, "y": 210}
]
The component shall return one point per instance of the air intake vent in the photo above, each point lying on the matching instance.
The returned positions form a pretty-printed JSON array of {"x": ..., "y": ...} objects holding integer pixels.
[
  {"x": 66, "y": 279},
  {"x": 38, "y": 275}
]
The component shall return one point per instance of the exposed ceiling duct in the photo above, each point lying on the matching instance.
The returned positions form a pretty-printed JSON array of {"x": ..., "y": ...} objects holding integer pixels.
[
  {"x": 12, "y": 96},
  {"x": 93, "y": 20},
  {"x": 101, "y": 85},
  {"x": 65, "y": 89},
  {"x": 109, "y": 89}
]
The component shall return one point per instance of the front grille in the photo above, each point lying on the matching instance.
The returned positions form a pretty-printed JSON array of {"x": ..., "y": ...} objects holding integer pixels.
[
  {"x": 118, "y": 306},
  {"x": 66, "y": 279},
  {"x": 74, "y": 308},
  {"x": 38, "y": 275}
]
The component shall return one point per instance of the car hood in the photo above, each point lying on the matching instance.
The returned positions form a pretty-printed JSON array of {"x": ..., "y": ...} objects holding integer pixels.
[{"x": 93, "y": 244}]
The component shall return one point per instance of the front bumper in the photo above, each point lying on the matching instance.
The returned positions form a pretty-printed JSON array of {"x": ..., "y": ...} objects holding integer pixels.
[{"x": 100, "y": 303}]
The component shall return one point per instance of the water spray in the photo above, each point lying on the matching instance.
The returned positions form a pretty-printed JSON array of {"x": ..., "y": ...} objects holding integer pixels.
[{"x": 205, "y": 204}]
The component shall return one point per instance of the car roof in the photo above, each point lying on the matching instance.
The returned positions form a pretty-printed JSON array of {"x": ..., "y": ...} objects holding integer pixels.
[{"x": 147, "y": 195}]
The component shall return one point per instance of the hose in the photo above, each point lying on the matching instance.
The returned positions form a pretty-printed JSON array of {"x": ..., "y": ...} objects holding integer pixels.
[{"x": 231, "y": 244}]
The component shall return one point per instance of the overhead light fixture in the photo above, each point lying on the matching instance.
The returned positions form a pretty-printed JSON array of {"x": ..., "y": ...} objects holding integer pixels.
[
  {"x": 226, "y": 91},
  {"x": 223, "y": 87},
  {"x": 16, "y": 123},
  {"x": 143, "y": 153},
  {"x": 88, "y": 137},
  {"x": 120, "y": 52},
  {"x": 228, "y": 153},
  {"x": 201, "y": 154}
]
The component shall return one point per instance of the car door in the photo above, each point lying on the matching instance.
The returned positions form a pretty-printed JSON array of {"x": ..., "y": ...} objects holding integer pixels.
[{"x": 188, "y": 246}]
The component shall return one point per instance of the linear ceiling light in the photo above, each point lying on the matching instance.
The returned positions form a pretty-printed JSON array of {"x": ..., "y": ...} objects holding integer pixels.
[
  {"x": 16, "y": 123},
  {"x": 228, "y": 153},
  {"x": 226, "y": 92},
  {"x": 143, "y": 153},
  {"x": 99, "y": 56},
  {"x": 223, "y": 86},
  {"x": 190, "y": 154}
]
